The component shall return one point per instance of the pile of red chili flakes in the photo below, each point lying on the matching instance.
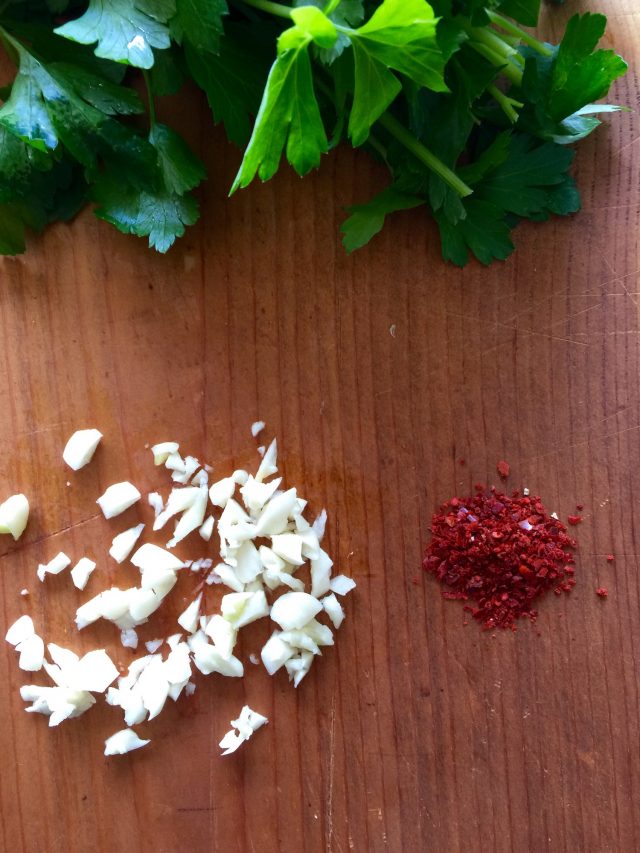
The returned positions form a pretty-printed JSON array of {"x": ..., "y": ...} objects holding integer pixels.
[{"x": 500, "y": 552}]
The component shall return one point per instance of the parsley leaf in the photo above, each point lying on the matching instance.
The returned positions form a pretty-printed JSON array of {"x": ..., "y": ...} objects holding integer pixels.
[
  {"x": 125, "y": 30},
  {"x": 524, "y": 11},
  {"x": 289, "y": 114},
  {"x": 366, "y": 220},
  {"x": 161, "y": 214},
  {"x": 232, "y": 78},
  {"x": 515, "y": 177},
  {"x": 558, "y": 90},
  {"x": 45, "y": 109},
  {"x": 399, "y": 36},
  {"x": 200, "y": 23},
  {"x": 483, "y": 231},
  {"x": 34, "y": 189}
]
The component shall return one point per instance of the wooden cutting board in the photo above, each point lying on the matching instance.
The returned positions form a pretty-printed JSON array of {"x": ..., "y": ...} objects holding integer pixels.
[{"x": 377, "y": 373}]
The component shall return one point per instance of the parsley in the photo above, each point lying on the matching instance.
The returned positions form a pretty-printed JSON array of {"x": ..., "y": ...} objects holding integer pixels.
[{"x": 472, "y": 115}]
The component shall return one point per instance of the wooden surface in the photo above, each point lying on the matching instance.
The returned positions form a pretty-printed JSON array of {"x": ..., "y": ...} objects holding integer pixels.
[{"x": 376, "y": 373}]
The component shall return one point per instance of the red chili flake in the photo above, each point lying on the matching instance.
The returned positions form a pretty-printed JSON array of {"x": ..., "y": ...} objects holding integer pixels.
[
  {"x": 610, "y": 558},
  {"x": 461, "y": 462},
  {"x": 504, "y": 469},
  {"x": 602, "y": 591},
  {"x": 501, "y": 553},
  {"x": 574, "y": 519},
  {"x": 415, "y": 580},
  {"x": 579, "y": 507}
]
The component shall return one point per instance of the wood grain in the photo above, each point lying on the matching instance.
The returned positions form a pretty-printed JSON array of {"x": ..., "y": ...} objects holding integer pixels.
[{"x": 376, "y": 373}]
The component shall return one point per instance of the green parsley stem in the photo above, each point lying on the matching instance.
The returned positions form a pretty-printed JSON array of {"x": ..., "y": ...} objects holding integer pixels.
[
  {"x": 393, "y": 126},
  {"x": 331, "y": 6},
  {"x": 508, "y": 68},
  {"x": 278, "y": 9},
  {"x": 509, "y": 27},
  {"x": 150, "y": 101},
  {"x": 495, "y": 43},
  {"x": 507, "y": 104}
]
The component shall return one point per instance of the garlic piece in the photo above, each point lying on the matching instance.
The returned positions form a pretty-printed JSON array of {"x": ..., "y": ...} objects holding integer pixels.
[
  {"x": 333, "y": 609},
  {"x": 129, "y": 638},
  {"x": 275, "y": 653},
  {"x": 31, "y": 653},
  {"x": 321, "y": 574},
  {"x": 122, "y": 742},
  {"x": 14, "y": 514},
  {"x": 149, "y": 555},
  {"x": 163, "y": 450},
  {"x": 189, "y": 619},
  {"x": 206, "y": 529},
  {"x": 257, "y": 427},
  {"x": 20, "y": 630},
  {"x": 341, "y": 585},
  {"x": 242, "y": 608},
  {"x": 53, "y": 567},
  {"x": 81, "y": 571},
  {"x": 294, "y": 609},
  {"x": 247, "y": 723},
  {"x": 118, "y": 498},
  {"x": 123, "y": 544},
  {"x": 80, "y": 448},
  {"x": 223, "y": 634}
]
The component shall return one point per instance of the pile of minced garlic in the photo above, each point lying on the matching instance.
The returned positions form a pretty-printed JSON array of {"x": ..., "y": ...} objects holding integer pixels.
[{"x": 264, "y": 541}]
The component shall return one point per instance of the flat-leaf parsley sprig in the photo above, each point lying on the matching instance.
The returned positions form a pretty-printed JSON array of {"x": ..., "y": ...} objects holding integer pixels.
[{"x": 471, "y": 114}]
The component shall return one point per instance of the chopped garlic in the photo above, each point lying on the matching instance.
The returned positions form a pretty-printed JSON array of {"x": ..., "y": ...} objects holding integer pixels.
[
  {"x": 182, "y": 474},
  {"x": 155, "y": 501},
  {"x": 222, "y": 491},
  {"x": 294, "y": 609},
  {"x": 163, "y": 450},
  {"x": 58, "y": 703},
  {"x": 275, "y": 653},
  {"x": 321, "y": 574},
  {"x": 319, "y": 525},
  {"x": 81, "y": 571},
  {"x": 129, "y": 638},
  {"x": 247, "y": 723},
  {"x": 149, "y": 555},
  {"x": 14, "y": 514},
  {"x": 268, "y": 466},
  {"x": 275, "y": 516},
  {"x": 20, "y": 630},
  {"x": 118, "y": 498},
  {"x": 206, "y": 529},
  {"x": 153, "y": 645},
  {"x": 179, "y": 501},
  {"x": 299, "y": 666},
  {"x": 189, "y": 619},
  {"x": 249, "y": 565},
  {"x": 53, "y": 567},
  {"x": 242, "y": 608},
  {"x": 123, "y": 544},
  {"x": 333, "y": 609},
  {"x": 31, "y": 653},
  {"x": 341, "y": 585},
  {"x": 122, "y": 742},
  {"x": 289, "y": 547},
  {"x": 177, "y": 667},
  {"x": 208, "y": 660},
  {"x": 191, "y": 519},
  {"x": 223, "y": 634},
  {"x": 256, "y": 494},
  {"x": 257, "y": 427},
  {"x": 81, "y": 447}
]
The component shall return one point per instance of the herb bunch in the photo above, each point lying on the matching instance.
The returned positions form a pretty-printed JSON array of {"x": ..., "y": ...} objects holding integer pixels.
[{"x": 472, "y": 115}]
